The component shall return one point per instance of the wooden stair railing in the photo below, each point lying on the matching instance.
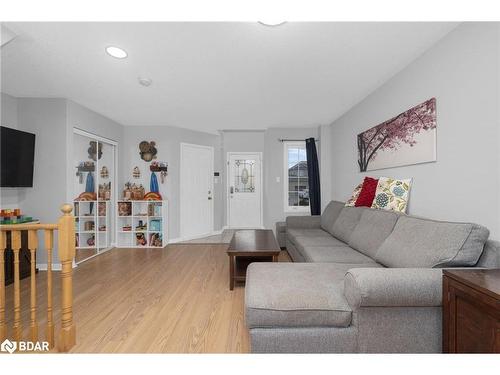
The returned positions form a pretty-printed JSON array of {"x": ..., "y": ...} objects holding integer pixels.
[{"x": 66, "y": 246}]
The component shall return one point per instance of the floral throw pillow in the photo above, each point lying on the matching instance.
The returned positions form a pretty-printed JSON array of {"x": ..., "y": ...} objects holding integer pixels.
[
  {"x": 392, "y": 194},
  {"x": 354, "y": 197}
]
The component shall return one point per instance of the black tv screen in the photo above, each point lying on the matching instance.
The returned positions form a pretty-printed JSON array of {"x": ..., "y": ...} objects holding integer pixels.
[{"x": 16, "y": 158}]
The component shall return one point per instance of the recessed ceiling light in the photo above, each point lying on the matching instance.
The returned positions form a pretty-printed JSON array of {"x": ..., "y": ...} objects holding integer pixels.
[
  {"x": 116, "y": 52},
  {"x": 145, "y": 81},
  {"x": 272, "y": 23}
]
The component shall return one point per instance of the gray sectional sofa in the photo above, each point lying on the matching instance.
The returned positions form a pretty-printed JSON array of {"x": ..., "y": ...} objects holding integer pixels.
[{"x": 362, "y": 281}]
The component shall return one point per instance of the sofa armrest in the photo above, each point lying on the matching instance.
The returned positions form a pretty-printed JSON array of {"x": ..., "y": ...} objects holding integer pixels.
[
  {"x": 304, "y": 222},
  {"x": 393, "y": 287}
]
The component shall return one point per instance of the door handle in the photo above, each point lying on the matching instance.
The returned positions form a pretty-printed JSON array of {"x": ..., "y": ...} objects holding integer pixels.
[
  {"x": 231, "y": 190},
  {"x": 209, "y": 195}
]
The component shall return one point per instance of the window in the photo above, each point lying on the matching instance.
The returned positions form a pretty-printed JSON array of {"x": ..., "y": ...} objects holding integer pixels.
[{"x": 296, "y": 182}]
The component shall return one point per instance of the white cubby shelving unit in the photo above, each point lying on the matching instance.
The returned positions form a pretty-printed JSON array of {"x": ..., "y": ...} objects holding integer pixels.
[
  {"x": 141, "y": 223},
  {"x": 92, "y": 219}
]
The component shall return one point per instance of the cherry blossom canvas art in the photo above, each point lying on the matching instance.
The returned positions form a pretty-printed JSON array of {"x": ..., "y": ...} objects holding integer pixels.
[{"x": 409, "y": 138}]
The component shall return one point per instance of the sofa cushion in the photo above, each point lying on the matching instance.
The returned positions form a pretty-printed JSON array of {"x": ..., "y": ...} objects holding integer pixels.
[
  {"x": 490, "y": 258},
  {"x": 392, "y": 194},
  {"x": 373, "y": 228},
  {"x": 346, "y": 222},
  {"x": 367, "y": 193},
  {"x": 316, "y": 241},
  {"x": 294, "y": 233},
  {"x": 300, "y": 247},
  {"x": 351, "y": 202},
  {"x": 336, "y": 254},
  {"x": 417, "y": 242},
  {"x": 330, "y": 214},
  {"x": 296, "y": 295}
]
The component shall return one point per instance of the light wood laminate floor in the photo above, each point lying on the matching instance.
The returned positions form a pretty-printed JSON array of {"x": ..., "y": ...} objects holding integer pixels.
[{"x": 172, "y": 300}]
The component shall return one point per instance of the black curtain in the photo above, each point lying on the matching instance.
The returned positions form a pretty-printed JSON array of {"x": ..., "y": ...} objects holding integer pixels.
[{"x": 313, "y": 175}]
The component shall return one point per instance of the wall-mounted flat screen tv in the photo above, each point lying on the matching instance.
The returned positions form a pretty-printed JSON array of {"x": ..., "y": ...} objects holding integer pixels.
[{"x": 17, "y": 156}]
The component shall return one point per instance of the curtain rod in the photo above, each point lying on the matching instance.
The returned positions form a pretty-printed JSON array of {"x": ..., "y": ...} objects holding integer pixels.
[{"x": 294, "y": 140}]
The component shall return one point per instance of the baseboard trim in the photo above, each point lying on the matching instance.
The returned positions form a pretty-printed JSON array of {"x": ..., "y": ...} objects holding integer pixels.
[
  {"x": 188, "y": 238},
  {"x": 55, "y": 266}
]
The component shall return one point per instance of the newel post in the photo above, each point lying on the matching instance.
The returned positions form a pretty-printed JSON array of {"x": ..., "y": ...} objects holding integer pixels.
[{"x": 66, "y": 226}]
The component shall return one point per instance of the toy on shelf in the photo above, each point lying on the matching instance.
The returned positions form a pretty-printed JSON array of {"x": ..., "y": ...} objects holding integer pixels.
[
  {"x": 13, "y": 216},
  {"x": 133, "y": 192},
  {"x": 124, "y": 208},
  {"x": 140, "y": 239},
  {"x": 86, "y": 196},
  {"x": 152, "y": 196},
  {"x": 155, "y": 240},
  {"x": 141, "y": 226},
  {"x": 155, "y": 225},
  {"x": 101, "y": 209},
  {"x": 89, "y": 226},
  {"x": 154, "y": 209},
  {"x": 105, "y": 191},
  {"x": 91, "y": 241}
]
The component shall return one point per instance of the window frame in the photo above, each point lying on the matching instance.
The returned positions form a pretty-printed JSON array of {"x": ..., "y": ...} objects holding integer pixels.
[{"x": 287, "y": 208}]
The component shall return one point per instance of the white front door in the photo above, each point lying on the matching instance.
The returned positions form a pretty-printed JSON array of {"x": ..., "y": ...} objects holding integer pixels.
[
  {"x": 196, "y": 175},
  {"x": 244, "y": 190}
]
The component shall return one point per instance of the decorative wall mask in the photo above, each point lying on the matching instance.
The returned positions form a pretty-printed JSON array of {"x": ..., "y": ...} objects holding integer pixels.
[
  {"x": 147, "y": 150},
  {"x": 136, "y": 172},
  {"x": 95, "y": 150},
  {"x": 104, "y": 172}
]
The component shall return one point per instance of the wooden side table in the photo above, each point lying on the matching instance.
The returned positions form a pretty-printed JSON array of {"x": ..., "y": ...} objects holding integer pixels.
[{"x": 471, "y": 311}]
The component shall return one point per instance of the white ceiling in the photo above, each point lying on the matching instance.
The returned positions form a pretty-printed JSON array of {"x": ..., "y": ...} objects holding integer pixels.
[{"x": 210, "y": 76}]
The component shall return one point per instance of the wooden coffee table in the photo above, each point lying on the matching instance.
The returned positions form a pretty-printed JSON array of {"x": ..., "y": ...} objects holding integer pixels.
[{"x": 247, "y": 246}]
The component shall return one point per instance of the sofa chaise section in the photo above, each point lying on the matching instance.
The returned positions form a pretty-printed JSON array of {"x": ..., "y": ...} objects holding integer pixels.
[
  {"x": 327, "y": 307},
  {"x": 364, "y": 280}
]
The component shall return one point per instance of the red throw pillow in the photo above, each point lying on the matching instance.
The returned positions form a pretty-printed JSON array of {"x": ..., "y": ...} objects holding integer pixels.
[{"x": 367, "y": 193}]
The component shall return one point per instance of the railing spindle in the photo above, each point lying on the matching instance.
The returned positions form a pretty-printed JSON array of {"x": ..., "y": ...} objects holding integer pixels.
[
  {"x": 66, "y": 240},
  {"x": 3, "y": 326},
  {"x": 49, "y": 245},
  {"x": 66, "y": 255},
  {"x": 16, "y": 247},
  {"x": 32, "y": 246}
]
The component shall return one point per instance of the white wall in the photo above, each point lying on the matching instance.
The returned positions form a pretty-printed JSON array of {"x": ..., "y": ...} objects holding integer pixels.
[
  {"x": 9, "y": 197},
  {"x": 168, "y": 140},
  {"x": 325, "y": 155},
  {"x": 46, "y": 118},
  {"x": 462, "y": 72}
]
